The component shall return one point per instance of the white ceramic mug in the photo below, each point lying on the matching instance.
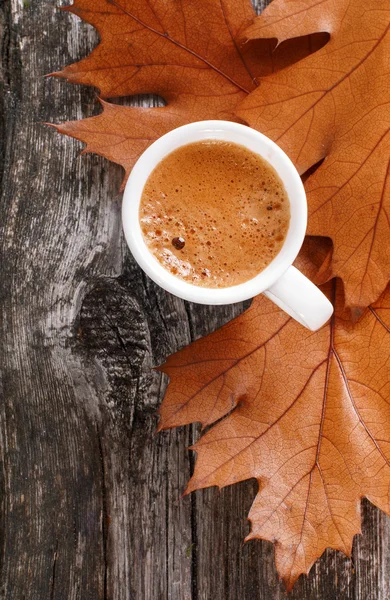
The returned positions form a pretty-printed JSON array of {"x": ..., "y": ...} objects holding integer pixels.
[{"x": 279, "y": 281}]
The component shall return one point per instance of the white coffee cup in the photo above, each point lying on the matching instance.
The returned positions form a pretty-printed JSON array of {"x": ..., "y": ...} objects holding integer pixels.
[{"x": 279, "y": 281}]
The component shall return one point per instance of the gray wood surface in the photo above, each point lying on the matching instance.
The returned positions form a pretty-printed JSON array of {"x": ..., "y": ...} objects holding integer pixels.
[{"x": 90, "y": 498}]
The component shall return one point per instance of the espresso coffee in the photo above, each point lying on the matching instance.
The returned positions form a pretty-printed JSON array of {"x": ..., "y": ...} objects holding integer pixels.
[{"x": 214, "y": 213}]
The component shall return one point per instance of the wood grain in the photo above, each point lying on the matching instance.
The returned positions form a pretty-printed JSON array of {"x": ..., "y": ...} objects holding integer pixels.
[{"x": 91, "y": 503}]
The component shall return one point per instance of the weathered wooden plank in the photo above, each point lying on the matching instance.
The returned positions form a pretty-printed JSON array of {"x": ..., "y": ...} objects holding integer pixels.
[
  {"x": 148, "y": 528},
  {"x": 90, "y": 497},
  {"x": 91, "y": 501},
  {"x": 51, "y": 499}
]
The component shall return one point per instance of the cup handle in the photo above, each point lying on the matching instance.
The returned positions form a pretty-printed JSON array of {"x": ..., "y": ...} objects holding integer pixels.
[{"x": 301, "y": 299}]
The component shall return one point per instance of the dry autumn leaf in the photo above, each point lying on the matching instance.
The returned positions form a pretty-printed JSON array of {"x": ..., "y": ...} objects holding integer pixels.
[
  {"x": 304, "y": 413},
  {"x": 307, "y": 414},
  {"x": 335, "y": 105},
  {"x": 186, "y": 52}
]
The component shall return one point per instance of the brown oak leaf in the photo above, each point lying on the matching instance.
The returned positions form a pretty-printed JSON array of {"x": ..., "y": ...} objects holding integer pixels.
[
  {"x": 307, "y": 414},
  {"x": 335, "y": 104},
  {"x": 187, "y": 52}
]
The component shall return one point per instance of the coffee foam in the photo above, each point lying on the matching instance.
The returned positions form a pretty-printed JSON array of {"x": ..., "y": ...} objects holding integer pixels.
[{"x": 226, "y": 202}]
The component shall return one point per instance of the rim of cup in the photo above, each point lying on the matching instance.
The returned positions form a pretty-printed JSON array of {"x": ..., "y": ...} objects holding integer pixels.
[{"x": 254, "y": 141}]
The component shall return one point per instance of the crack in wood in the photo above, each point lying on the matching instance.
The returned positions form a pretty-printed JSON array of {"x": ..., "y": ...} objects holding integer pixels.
[
  {"x": 105, "y": 516},
  {"x": 53, "y": 572}
]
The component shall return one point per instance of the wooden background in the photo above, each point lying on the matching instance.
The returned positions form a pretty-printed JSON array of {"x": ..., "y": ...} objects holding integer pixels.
[{"x": 91, "y": 503}]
